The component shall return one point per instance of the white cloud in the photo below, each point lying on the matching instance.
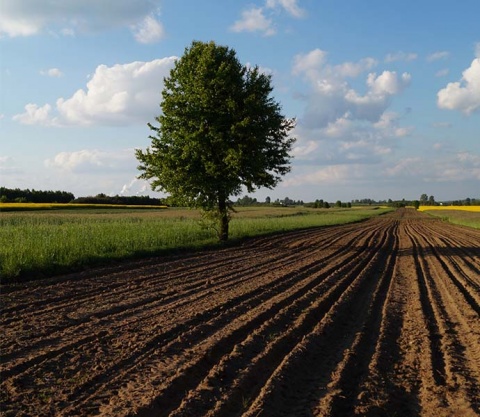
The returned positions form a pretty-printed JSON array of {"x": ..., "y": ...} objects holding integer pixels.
[
  {"x": 438, "y": 56},
  {"x": 32, "y": 17},
  {"x": 92, "y": 161},
  {"x": 388, "y": 83},
  {"x": 354, "y": 69},
  {"x": 290, "y": 6},
  {"x": 149, "y": 30},
  {"x": 410, "y": 166},
  {"x": 254, "y": 20},
  {"x": 119, "y": 95},
  {"x": 342, "y": 126},
  {"x": 329, "y": 175},
  {"x": 135, "y": 187},
  {"x": 310, "y": 64},
  {"x": 52, "y": 72},
  {"x": 35, "y": 115},
  {"x": 260, "y": 19},
  {"x": 305, "y": 150},
  {"x": 331, "y": 96},
  {"x": 465, "y": 94},
  {"x": 401, "y": 56}
]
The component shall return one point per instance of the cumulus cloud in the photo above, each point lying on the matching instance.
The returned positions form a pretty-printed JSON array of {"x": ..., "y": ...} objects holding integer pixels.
[
  {"x": 119, "y": 95},
  {"x": 32, "y": 17},
  {"x": 343, "y": 128},
  {"x": 290, "y": 6},
  {"x": 91, "y": 161},
  {"x": 52, "y": 72},
  {"x": 331, "y": 95},
  {"x": 254, "y": 20},
  {"x": 260, "y": 19},
  {"x": 354, "y": 69},
  {"x": 149, "y": 30},
  {"x": 35, "y": 115},
  {"x": 329, "y": 175},
  {"x": 463, "y": 95}
]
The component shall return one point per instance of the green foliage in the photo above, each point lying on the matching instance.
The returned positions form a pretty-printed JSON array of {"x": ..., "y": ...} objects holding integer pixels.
[
  {"x": 142, "y": 200},
  {"x": 219, "y": 131},
  {"x": 246, "y": 201},
  {"x": 8, "y": 195}
]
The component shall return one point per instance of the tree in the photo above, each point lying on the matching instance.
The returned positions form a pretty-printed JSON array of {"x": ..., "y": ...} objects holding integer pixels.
[{"x": 219, "y": 131}]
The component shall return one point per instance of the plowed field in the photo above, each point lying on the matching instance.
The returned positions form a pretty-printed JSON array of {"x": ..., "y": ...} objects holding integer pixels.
[{"x": 380, "y": 318}]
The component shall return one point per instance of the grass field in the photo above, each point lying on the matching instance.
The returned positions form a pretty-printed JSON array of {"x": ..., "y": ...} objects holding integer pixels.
[
  {"x": 38, "y": 243},
  {"x": 462, "y": 215}
]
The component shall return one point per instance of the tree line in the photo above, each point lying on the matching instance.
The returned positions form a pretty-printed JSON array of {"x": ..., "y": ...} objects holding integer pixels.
[
  {"x": 137, "y": 200},
  {"x": 8, "y": 195}
]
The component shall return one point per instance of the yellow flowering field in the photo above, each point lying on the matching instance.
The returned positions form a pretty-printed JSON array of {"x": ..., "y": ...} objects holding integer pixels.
[{"x": 462, "y": 208}]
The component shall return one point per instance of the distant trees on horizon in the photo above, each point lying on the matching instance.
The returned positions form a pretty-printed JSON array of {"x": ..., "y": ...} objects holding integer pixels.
[{"x": 8, "y": 195}]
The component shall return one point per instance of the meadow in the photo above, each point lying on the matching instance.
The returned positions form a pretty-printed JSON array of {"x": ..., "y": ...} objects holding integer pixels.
[
  {"x": 42, "y": 241},
  {"x": 462, "y": 215}
]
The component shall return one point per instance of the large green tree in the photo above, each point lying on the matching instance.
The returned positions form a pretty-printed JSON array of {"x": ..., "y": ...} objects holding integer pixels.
[{"x": 220, "y": 130}]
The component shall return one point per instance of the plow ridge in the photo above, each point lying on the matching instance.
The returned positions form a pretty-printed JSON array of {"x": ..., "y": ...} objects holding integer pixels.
[{"x": 369, "y": 319}]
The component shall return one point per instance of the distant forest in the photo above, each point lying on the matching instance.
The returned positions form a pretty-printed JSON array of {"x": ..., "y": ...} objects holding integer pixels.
[{"x": 16, "y": 195}]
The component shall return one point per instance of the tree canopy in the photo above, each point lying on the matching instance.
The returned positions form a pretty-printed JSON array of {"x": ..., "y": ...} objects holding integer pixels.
[{"x": 220, "y": 130}]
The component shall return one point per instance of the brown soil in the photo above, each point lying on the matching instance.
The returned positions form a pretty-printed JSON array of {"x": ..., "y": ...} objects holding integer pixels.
[{"x": 373, "y": 319}]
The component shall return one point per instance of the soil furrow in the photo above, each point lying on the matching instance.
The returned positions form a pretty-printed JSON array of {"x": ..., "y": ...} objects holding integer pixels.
[
  {"x": 458, "y": 351},
  {"x": 373, "y": 319},
  {"x": 254, "y": 359},
  {"x": 309, "y": 366}
]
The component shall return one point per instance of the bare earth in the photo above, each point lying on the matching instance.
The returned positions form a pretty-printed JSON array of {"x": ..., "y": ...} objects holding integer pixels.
[{"x": 380, "y": 318}]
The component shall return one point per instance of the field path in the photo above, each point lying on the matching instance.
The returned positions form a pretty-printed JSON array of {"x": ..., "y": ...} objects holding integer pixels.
[{"x": 380, "y": 318}]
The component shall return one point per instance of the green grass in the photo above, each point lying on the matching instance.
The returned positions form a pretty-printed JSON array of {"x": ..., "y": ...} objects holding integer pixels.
[
  {"x": 44, "y": 243},
  {"x": 464, "y": 218}
]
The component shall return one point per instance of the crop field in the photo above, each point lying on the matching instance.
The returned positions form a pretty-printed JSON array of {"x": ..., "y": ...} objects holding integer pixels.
[
  {"x": 379, "y": 318},
  {"x": 52, "y": 239},
  {"x": 463, "y": 215}
]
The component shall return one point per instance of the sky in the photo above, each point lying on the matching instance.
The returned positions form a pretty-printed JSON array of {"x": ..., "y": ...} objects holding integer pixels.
[{"x": 386, "y": 94}]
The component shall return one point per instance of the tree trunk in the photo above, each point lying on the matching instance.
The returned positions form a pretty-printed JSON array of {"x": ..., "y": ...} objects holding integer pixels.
[{"x": 224, "y": 220}]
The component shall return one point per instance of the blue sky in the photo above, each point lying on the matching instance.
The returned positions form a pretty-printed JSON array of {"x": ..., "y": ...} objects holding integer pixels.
[{"x": 386, "y": 94}]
